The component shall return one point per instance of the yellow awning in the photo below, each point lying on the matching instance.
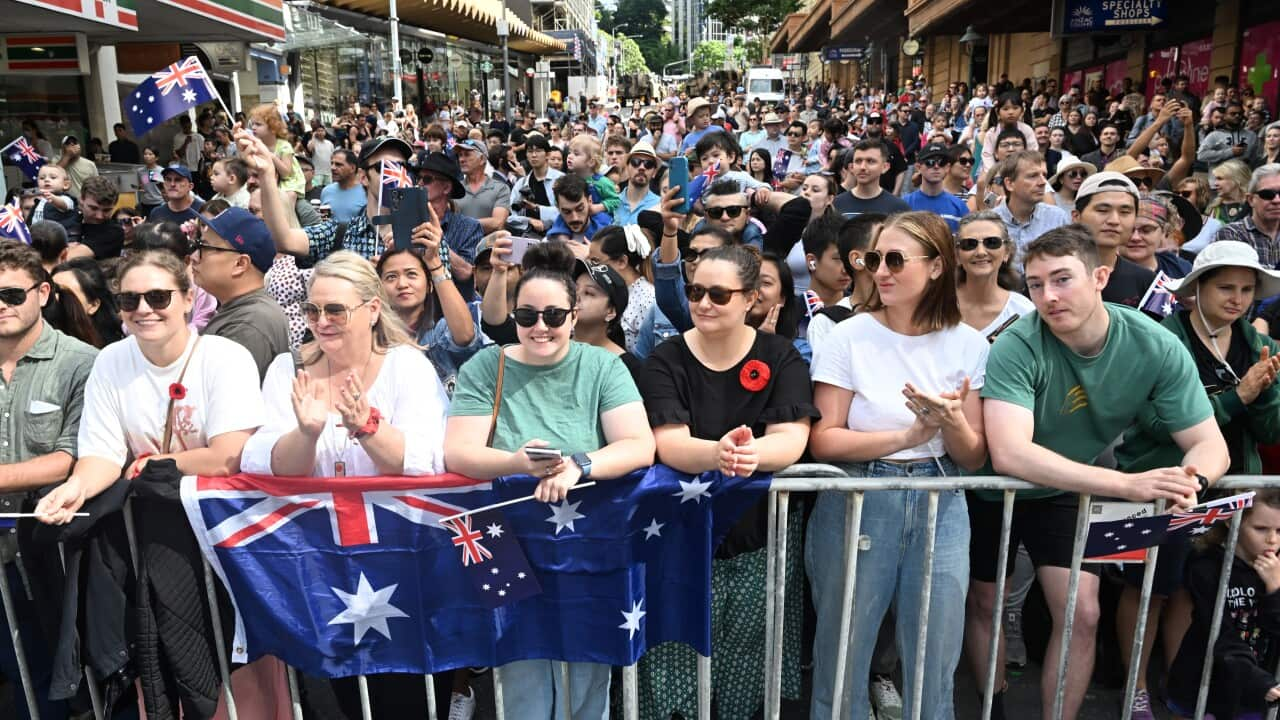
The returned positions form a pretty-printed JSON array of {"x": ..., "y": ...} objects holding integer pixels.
[{"x": 470, "y": 19}]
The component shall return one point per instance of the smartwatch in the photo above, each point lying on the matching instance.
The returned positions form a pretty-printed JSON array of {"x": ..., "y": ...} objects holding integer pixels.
[
  {"x": 583, "y": 462},
  {"x": 1204, "y": 483}
]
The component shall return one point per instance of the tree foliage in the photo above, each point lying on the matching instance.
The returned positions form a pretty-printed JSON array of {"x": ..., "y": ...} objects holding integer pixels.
[
  {"x": 758, "y": 17},
  {"x": 633, "y": 61},
  {"x": 643, "y": 19},
  {"x": 709, "y": 55}
]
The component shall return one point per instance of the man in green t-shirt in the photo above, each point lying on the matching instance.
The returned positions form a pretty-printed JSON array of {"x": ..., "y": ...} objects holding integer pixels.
[{"x": 1062, "y": 385}]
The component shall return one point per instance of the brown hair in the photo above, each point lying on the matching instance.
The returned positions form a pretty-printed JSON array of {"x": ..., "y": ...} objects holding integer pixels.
[
  {"x": 1217, "y": 535},
  {"x": 15, "y": 255},
  {"x": 101, "y": 189},
  {"x": 938, "y": 309},
  {"x": 1074, "y": 239},
  {"x": 166, "y": 261},
  {"x": 1009, "y": 168}
]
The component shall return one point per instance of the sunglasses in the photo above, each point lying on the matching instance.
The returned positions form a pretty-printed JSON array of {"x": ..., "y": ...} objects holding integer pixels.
[
  {"x": 201, "y": 246},
  {"x": 646, "y": 163},
  {"x": 971, "y": 244},
  {"x": 1188, "y": 194},
  {"x": 935, "y": 162},
  {"x": 335, "y": 313},
  {"x": 1267, "y": 194},
  {"x": 156, "y": 299},
  {"x": 554, "y": 317},
  {"x": 718, "y": 295},
  {"x": 894, "y": 260},
  {"x": 15, "y": 296},
  {"x": 1077, "y": 174},
  {"x": 795, "y": 134},
  {"x": 732, "y": 211},
  {"x": 966, "y": 161},
  {"x": 1145, "y": 182}
]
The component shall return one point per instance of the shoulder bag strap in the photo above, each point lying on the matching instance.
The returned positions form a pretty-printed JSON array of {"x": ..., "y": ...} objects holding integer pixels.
[
  {"x": 168, "y": 419},
  {"x": 497, "y": 395}
]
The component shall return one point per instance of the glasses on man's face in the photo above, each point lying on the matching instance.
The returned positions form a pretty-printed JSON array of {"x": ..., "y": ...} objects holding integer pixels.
[
  {"x": 719, "y": 295},
  {"x": 554, "y": 317},
  {"x": 936, "y": 162},
  {"x": 971, "y": 244},
  {"x": 200, "y": 246},
  {"x": 895, "y": 260},
  {"x": 335, "y": 313},
  {"x": 795, "y": 133},
  {"x": 1014, "y": 145},
  {"x": 15, "y": 296},
  {"x": 733, "y": 211},
  {"x": 640, "y": 162},
  {"x": 1267, "y": 194},
  {"x": 156, "y": 299}
]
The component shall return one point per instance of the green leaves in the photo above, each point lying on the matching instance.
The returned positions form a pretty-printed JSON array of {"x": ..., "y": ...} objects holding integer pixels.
[{"x": 757, "y": 17}]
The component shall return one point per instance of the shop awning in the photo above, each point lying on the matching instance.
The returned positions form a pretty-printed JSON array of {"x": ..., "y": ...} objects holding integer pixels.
[
  {"x": 854, "y": 21},
  {"x": 814, "y": 29},
  {"x": 951, "y": 17},
  {"x": 781, "y": 41},
  {"x": 470, "y": 19},
  {"x": 92, "y": 17}
]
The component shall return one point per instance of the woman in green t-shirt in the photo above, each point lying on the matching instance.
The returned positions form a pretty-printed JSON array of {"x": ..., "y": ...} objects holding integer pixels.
[{"x": 556, "y": 393}]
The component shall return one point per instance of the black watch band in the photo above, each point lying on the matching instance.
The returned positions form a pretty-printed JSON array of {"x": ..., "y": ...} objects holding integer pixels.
[{"x": 1204, "y": 483}]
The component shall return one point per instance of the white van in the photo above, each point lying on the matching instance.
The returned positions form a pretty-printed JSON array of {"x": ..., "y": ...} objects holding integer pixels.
[{"x": 765, "y": 83}]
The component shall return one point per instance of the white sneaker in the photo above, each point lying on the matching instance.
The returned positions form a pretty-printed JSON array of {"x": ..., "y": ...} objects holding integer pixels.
[
  {"x": 462, "y": 707},
  {"x": 885, "y": 698}
]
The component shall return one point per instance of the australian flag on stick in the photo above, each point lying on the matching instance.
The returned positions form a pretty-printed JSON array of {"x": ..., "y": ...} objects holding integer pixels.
[
  {"x": 22, "y": 154},
  {"x": 359, "y": 575},
  {"x": 394, "y": 177},
  {"x": 12, "y": 226},
  {"x": 169, "y": 92},
  {"x": 1157, "y": 300},
  {"x": 1198, "y": 520}
]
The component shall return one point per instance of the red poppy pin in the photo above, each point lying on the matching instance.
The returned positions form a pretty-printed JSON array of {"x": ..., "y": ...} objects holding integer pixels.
[
  {"x": 177, "y": 391},
  {"x": 754, "y": 375}
]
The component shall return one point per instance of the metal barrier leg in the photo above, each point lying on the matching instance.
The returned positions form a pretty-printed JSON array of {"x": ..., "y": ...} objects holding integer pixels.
[
  {"x": 91, "y": 682},
  {"x": 1069, "y": 619},
  {"x": 219, "y": 642},
  {"x": 1229, "y": 552},
  {"x": 366, "y": 710},
  {"x": 295, "y": 697},
  {"x": 704, "y": 687},
  {"x": 774, "y": 710},
  {"x": 499, "y": 707},
  {"x": 630, "y": 694},
  {"x": 1002, "y": 561},
  {"x": 24, "y": 672},
  {"x": 770, "y": 581},
  {"x": 852, "y": 533},
  {"x": 563, "y": 668},
  {"x": 926, "y": 594},
  {"x": 430, "y": 682},
  {"x": 1140, "y": 627}
]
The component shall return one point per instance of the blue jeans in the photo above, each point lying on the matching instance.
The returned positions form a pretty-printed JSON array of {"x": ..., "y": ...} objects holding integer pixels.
[
  {"x": 890, "y": 570},
  {"x": 532, "y": 690}
]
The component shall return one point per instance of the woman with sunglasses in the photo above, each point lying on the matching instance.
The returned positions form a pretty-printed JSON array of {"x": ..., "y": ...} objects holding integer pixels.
[
  {"x": 986, "y": 283},
  {"x": 725, "y": 396},
  {"x": 1064, "y": 183},
  {"x": 934, "y": 361},
  {"x": 601, "y": 434},
  {"x": 959, "y": 178},
  {"x": 176, "y": 240},
  {"x": 1155, "y": 240},
  {"x": 753, "y": 133}
]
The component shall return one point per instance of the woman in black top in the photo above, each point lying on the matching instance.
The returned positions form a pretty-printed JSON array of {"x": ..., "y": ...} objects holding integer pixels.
[{"x": 725, "y": 396}]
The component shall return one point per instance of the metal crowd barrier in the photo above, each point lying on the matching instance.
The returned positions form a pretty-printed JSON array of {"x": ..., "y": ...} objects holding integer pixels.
[{"x": 798, "y": 478}]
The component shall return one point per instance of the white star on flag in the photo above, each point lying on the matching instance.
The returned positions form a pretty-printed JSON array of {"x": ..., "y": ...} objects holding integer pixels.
[
  {"x": 564, "y": 514},
  {"x": 1199, "y": 530},
  {"x": 188, "y": 95},
  {"x": 692, "y": 491},
  {"x": 654, "y": 529},
  {"x": 632, "y": 619},
  {"x": 495, "y": 531},
  {"x": 367, "y": 609}
]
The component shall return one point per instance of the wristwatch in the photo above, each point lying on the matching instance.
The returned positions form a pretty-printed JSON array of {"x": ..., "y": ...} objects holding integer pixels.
[
  {"x": 370, "y": 426},
  {"x": 583, "y": 462},
  {"x": 1204, "y": 483}
]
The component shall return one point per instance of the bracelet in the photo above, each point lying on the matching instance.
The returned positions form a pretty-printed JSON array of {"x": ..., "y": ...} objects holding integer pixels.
[
  {"x": 674, "y": 234},
  {"x": 436, "y": 269}
]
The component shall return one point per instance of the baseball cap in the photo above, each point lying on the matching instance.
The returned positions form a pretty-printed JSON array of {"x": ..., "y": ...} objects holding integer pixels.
[
  {"x": 875, "y": 115},
  {"x": 473, "y": 145},
  {"x": 368, "y": 150},
  {"x": 1106, "y": 181},
  {"x": 608, "y": 279},
  {"x": 182, "y": 170},
  {"x": 932, "y": 150},
  {"x": 70, "y": 140},
  {"x": 246, "y": 234}
]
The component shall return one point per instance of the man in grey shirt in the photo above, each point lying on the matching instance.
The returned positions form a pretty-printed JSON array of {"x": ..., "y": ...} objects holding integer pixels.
[
  {"x": 233, "y": 254},
  {"x": 487, "y": 199}
]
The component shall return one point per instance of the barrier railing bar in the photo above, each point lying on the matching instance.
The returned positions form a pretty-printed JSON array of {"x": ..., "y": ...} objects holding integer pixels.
[
  {"x": 771, "y": 581},
  {"x": 295, "y": 699},
  {"x": 366, "y": 709},
  {"x": 704, "y": 687},
  {"x": 567, "y": 705},
  {"x": 1069, "y": 619},
  {"x": 997, "y": 620},
  {"x": 630, "y": 694},
  {"x": 430, "y": 683},
  {"x": 852, "y": 537},
  {"x": 24, "y": 672},
  {"x": 1202, "y": 700},
  {"x": 774, "y": 711},
  {"x": 499, "y": 708},
  {"x": 1140, "y": 627},
  {"x": 219, "y": 642},
  {"x": 926, "y": 594}
]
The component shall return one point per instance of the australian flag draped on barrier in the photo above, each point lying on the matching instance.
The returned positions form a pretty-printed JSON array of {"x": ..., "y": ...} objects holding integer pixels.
[{"x": 347, "y": 576}]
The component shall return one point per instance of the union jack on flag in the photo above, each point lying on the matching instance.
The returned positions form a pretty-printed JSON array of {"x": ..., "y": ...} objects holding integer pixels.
[
  {"x": 177, "y": 75},
  {"x": 154, "y": 100},
  {"x": 473, "y": 553},
  {"x": 12, "y": 225},
  {"x": 1157, "y": 300},
  {"x": 1199, "y": 519},
  {"x": 21, "y": 154},
  {"x": 394, "y": 176}
]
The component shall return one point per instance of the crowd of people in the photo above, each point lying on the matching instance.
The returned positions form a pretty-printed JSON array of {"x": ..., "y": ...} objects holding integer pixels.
[{"x": 1070, "y": 287}]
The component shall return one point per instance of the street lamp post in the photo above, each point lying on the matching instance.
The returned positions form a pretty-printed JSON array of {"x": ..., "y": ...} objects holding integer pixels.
[
  {"x": 506, "y": 59},
  {"x": 394, "y": 18}
]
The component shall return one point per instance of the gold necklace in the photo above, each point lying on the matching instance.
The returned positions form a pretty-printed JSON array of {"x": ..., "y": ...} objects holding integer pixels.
[{"x": 344, "y": 441}]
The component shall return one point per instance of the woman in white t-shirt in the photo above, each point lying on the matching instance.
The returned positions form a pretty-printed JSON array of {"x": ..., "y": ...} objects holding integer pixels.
[
  {"x": 986, "y": 282},
  {"x": 897, "y": 388}
]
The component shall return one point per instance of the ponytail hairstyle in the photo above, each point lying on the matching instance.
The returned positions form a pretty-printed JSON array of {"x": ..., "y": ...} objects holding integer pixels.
[
  {"x": 553, "y": 261},
  {"x": 617, "y": 242}
]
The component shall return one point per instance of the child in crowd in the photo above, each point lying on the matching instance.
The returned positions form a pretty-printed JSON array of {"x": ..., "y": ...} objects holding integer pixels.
[
  {"x": 718, "y": 156},
  {"x": 228, "y": 178},
  {"x": 1242, "y": 684},
  {"x": 56, "y": 203},
  {"x": 584, "y": 158}
]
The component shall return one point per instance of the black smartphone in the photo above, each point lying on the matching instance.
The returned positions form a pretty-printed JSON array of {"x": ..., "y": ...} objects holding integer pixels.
[{"x": 408, "y": 211}]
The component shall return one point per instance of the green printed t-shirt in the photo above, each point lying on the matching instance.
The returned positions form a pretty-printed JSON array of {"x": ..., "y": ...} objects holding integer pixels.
[
  {"x": 1082, "y": 405},
  {"x": 559, "y": 403}
]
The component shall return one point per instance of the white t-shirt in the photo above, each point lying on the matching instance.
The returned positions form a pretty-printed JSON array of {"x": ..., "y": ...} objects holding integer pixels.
[
  {"x": 820, "y": 327},
  {"x": 1017, "y": 304},
  {"x": 875, "y": 363},
  {"x": 407, "y": 392},
  {"x": 127, "y": 398},
  {"x": 321, "y": 155}
]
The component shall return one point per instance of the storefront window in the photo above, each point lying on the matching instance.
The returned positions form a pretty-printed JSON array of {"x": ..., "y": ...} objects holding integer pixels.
[{"x": 56, "y": 104}]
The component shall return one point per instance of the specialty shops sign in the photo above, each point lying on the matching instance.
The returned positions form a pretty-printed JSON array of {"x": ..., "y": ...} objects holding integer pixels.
[
  {"x": 845, "y": 52},
  {"x": 1103, "y": 15}
]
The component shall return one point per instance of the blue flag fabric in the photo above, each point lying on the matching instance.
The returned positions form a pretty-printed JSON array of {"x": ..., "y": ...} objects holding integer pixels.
[
  {"x": 347, "y": 576},
  {"x": 171, "y": 91},
  {"x": 22, "y": 154},
  {"x": 12, "y": 226},
  {"x": 1121, "y": 536}
]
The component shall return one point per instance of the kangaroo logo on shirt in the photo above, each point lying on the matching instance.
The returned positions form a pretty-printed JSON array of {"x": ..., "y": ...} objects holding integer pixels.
[{"x": 1077, "y": 399}]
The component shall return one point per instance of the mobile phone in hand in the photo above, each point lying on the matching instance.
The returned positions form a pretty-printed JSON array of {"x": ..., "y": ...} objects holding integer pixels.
[
  {"x": 538, "y": 453},
  {"x": 678, "y": 176},
  {"x": 519, "y": 246}
]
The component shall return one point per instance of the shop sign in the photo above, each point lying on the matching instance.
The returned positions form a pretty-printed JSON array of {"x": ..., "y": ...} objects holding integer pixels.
[
  {"x": 426, "y": 55},
  {"x": 45, "y": 54},
  {"x": 1102, "y": 15},
  {"x": 845, "y": 52},
  {"x": 1191, "y": 58},
  {"x": 115, "y": 13},
  {"x": 1260, "y": 61}
]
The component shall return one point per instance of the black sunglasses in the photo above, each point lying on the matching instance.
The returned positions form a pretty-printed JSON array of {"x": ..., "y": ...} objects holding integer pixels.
[
  {"x": 15, "y": 296},
  {"x": 1188, "y": 194},
  {"x": 733, "y": 211},
  {"x": 554, "y": 317},
  {"x": 1267, "y": 194},
  {"x": 894, "y": 260},
  {"x": 156, "y": 299},
  {"x": 794, "y": 134},
  {"x": 202, "y": 247},
  {"x": 646, "y": 163},
  {"x": 718, "y": 295},
  {"x": 966, "y": 161},
  {"x": 1078, "y": 173},
  {"x": 971, "y": 244},
  {"x": 1147, "y": 182},
  {"x": 935, "y": 162}
]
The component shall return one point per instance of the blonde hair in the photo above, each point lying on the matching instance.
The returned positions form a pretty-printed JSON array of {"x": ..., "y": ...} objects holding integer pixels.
[
  {"x": 1236, "y": 171},
  {"x": 589, "y": 143},
  {"x": 388, "y": 330},
  {"x": 268, "y": 114}
]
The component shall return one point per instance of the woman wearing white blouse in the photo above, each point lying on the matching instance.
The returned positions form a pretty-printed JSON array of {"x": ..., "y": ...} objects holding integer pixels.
[{"x": 363, "y": 388}]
